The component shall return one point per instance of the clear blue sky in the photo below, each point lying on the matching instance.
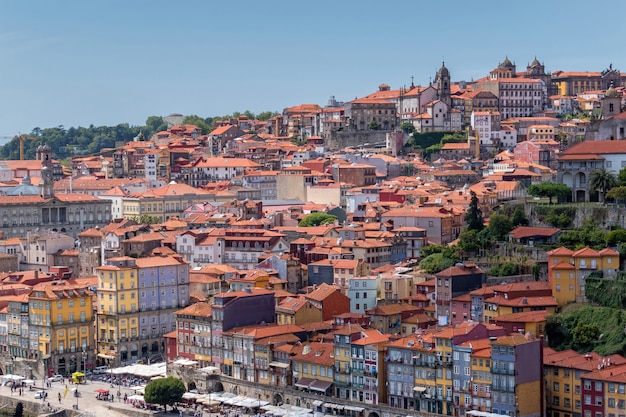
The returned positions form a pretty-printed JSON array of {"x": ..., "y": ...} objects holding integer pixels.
[{"x": 77, "y": 62}]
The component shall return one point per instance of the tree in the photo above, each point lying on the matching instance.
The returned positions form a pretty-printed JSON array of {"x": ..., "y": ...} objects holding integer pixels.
[
  {"x": 621, "y": 177},
  {"x": 407, "y": 127},
  {"x": 197, "y": 121},
  {"x": 499, "y": 226},
  {"x": 584, "y": 335},
  {"x": 164, "y": 391},
  {"x": 550, "y": 190},
  {"x": 519, "y": 216},
  {"x": 155, "y": 124},
  {"x": 617, "y": 193},
  {"x": 437, "y": 263},
  {"x": 317, "y": 218},
  {"x": 601, "y": 181},
  {"x": 474, "y": 216},
  {"x": 615, "y": 236},
  {"x": 146, "y": 219},
  {"x": 373, "y": 125}
]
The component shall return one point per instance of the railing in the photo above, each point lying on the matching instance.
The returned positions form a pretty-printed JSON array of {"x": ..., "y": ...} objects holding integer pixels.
[{"x": 501, "y": 371}]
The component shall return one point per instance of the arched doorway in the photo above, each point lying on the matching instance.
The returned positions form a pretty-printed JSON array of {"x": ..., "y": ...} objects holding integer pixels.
[
  {"x": 61, "y": 368},
  {"x": 581, "y": 196},
  {"x": 144, "y": 350},
  {"x": 219, "y": 387},
  {"x": 155, "y": 347},
  {"x": 278, "y": 399},
  {"x": 373, "y": 414},
  {"x": 235, "y": 389},
  {"x": 123, "y": 354},
  {"x": 133, "y": 351}
]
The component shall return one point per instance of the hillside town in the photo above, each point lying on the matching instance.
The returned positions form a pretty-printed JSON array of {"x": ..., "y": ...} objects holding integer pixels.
[{"x": 294, "y": 260}]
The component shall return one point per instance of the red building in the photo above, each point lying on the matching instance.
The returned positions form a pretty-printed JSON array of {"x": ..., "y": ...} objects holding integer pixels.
[{"x": 330, "y": 300}]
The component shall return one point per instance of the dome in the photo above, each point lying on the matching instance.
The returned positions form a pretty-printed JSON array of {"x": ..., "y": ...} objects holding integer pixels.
[
  {"x": 535, "y": 63},
  {"x": 506, "y": 63},
  {"x": 46, "y": 148},
  {"x": 39, "y": 148},
  {"x": 443, "y": 71},
  {"x": 611, "y": 93}
]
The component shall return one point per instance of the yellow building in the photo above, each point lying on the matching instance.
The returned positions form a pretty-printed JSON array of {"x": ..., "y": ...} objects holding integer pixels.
[
  {"x": 297, "y": 310},
  {"x": 170, "y": 200},
  {"x": 480, "y": 385},
  {"x": 117, "y": 306},
  {"x": 61, "y": 314},
  {"x": 428, "y": 377},
  {"x": 498, "y": 305},
  {"x": 313, "y": 367},
  {"x": 568, "y": 285},
  {"x": 343, "y": 339},
  {"x": 563, "y": 371}
]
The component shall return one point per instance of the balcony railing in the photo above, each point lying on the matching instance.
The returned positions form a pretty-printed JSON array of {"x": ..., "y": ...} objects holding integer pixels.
[{"x": 501, "y": 371}]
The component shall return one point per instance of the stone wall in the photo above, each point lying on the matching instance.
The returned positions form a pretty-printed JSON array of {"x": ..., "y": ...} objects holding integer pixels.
[{"x": 345, "y": 138}]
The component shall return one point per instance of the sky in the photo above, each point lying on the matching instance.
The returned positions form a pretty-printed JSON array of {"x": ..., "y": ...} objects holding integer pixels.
[{"x": 78, "y": 63}]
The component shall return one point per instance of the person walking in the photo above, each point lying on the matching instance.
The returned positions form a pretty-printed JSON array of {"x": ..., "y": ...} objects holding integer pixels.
[{"x": 59, "y": 398}]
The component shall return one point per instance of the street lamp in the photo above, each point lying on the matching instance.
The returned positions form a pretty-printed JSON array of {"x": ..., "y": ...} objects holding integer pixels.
[{"x": 84, "y": 358}]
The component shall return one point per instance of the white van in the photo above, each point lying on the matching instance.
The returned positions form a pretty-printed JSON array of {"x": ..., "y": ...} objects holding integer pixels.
[{"x": 100, "y": 369}]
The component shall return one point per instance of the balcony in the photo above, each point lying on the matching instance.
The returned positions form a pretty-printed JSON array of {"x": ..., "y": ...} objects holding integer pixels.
[
  {"x": 501, "y": 371},
  {"x": 359, "y": 371}
]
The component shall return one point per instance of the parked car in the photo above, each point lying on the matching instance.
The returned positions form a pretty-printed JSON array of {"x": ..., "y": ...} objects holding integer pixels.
[
  {"x": 100, "y": 369},
  {"x": 56, "y": 378},
  {"x": 39, "y": 395}
]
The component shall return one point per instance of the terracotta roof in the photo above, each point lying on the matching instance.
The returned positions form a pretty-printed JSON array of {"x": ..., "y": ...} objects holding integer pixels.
[{"x": 525, "y": 232}]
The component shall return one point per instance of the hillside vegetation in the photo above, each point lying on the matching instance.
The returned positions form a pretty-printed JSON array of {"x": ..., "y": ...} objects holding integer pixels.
[{"x": 598, "y": 329}]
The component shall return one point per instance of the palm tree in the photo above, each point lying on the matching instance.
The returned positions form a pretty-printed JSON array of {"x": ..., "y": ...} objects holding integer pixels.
[{"x": 601, "y": 181}]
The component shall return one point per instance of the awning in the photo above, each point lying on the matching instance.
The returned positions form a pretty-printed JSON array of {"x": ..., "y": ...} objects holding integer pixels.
[
  {"x": 303, "y": 382},
  {"x": 320, "y": 386},
  {"x": 105, "y": 356},
  {"x": 419, "y": 389},
  {"x": 279, "y": 365},
  {"x": 351, "y": 408},
  {"x": 317, "y": 403}
]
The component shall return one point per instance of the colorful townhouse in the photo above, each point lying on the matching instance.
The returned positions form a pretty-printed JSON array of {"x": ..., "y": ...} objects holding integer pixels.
[
  {"x": 565, "y": 375},
  {"x": 61, "y": 314},
  {"x": 313, "y": 366},
  {"x": 137, "y": 300},
  {"x": 517, "y": 376}
]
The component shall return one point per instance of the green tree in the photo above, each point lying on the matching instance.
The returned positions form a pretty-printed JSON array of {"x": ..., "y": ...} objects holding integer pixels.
[
  {"x": 469, "y": 241},
  {"x": 407, "y": 127},
  {"x": 519, "y": 216},
  {"x": 197, "y": 121},
  {"x": 164, "y": 391},
  {"x": 317, "y": 218},
  {"x": 155, "y": 124},
  {"x": 474, "y": 216},
  {"x": 617, "y": 193},
  {"x": 146, "y": 219},
  {"x": 601, "y": 181},
  {"x": 550, "y": 190},
  {"x": 621, "y": 177},
  {"x": 499, "y": 226},
  {"x": 615, "y": 236},
  {"x": 584, "y": 335},
  {"x": 437, "y": 262},
  {"x": 373, "y": 125}
]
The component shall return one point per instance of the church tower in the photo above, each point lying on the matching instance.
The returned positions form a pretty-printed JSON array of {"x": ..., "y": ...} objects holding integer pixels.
[
  {"x": 46, "y": 187},
  {"x": 442, "y": 83}
]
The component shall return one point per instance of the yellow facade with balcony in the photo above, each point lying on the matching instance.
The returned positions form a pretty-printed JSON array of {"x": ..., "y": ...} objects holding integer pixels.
[{"x": 61, "y": 313}]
